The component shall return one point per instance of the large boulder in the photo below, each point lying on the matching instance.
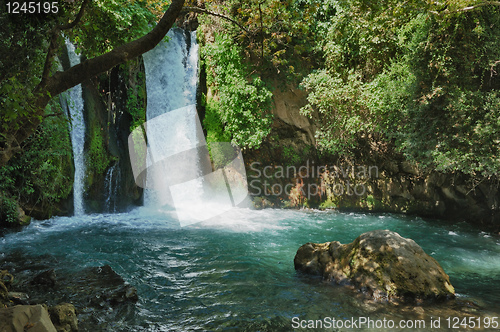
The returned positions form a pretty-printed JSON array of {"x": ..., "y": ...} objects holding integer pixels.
[
  {"x": 33, "y": 318},
  {"x": 381, "y": 263}
]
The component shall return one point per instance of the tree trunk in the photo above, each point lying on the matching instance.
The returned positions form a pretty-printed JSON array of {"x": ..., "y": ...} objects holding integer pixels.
[{"x": 61, "y": 81}]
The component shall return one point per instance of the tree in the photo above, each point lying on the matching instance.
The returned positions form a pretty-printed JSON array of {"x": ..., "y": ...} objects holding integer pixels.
[
  {"x": 424, "y": 80},
  {"x": 20, "y": 120}
]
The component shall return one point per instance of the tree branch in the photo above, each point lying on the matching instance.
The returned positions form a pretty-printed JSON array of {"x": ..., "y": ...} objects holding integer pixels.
[
  {"x": 61, "y": 81},
  {"x": 204, "y": 11},
  {"x": 77, "y": 19},
  {"x": 466, "y": 9},
  {"x": 55, "y": 32}
]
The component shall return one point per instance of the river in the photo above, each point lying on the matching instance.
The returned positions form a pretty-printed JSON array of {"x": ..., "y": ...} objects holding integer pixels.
[{"x": 235, "y": 272}]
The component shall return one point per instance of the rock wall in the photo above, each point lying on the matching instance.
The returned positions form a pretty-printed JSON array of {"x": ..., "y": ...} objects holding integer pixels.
[
  {"x": 287, "y": 102},
  {"x": 383, "y": 181},
  {"x": 375, "y": 179},
  {"x": 110, "y": 186}
]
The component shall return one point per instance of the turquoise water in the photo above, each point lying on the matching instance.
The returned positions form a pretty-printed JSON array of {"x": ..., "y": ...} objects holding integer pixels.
[{"x": 237, "y": 273}]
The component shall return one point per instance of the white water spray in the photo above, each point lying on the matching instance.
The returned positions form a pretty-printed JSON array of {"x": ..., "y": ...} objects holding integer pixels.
[
  {"x": 171, "y": 160},
  {"x": 75, "y": 106},
  {"x": 171, "y": 82}
]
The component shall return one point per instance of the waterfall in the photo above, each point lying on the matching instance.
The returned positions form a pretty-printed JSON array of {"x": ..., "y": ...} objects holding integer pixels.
[
  {"x": 75, "y": 107},
  {"x": 174, "y": 151},
  {"x": 173, "y": 127},
  {"x": 112, "y": 186}
]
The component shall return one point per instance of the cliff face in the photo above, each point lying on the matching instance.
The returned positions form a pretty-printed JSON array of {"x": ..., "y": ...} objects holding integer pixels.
[
  {"x": 288, "y": 170},
  {"x": 376, "y": 179},
  {"x": 113, "y": 103},
  {"x": 384, "y": 181},
  {"x": 286, "y": 108}
]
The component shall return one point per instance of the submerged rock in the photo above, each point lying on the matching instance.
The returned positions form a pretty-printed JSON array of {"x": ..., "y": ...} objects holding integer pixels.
[
  {"x": 46, "y": 278},
  {"x": 104, "y": 286},
  {"x": 18, "y": 298},
  {"x": 380, "y": 263}
]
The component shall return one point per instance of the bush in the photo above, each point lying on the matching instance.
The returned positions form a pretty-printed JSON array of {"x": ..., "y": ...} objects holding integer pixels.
[
  {"x": 8, "y": 211},
  {"x": 242, "y": 101}
]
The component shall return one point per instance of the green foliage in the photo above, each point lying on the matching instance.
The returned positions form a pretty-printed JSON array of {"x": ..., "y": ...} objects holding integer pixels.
[
  {"x": 8, "y": 210},
  {"x": 242, "y": 102},
  {"x": 278, "y": 35},
  {"x": 42, "y": 173},
  {"x": 110, "y": 23},
  {"x": 425, "y": 81},
  {"x": 215, "y": 133},
  {"x": 328, "y": 204},
  {"x": 213, "y": 123},
  {"x": 362, "y": 35},
  {"x": 290, "y": 155},
  {"x": 23, "y": 43},
  {"x": 136, "y": 93},
  {"x": 13, "y": 102},
  {"x": 443, "y": 109},
  {"x": 340, "y": 105}
]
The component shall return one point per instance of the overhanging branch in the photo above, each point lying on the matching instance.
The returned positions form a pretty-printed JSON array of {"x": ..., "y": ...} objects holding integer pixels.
[
  {"x": 61, "y": 81},
  {"x": 204, "y": 11},
  {"x": 55, "y": 32},
  {"x": 53, "y": 85},
  {"x": 77, "y": 18},
  {"x": 466, "y": 9}
]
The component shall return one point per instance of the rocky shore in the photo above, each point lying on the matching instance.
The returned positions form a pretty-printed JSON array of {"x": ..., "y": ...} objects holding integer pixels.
[{"x": 45, "y": 302}]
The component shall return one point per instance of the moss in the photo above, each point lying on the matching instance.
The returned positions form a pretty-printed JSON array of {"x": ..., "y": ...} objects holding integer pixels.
[{"x": 98, "y": 159}]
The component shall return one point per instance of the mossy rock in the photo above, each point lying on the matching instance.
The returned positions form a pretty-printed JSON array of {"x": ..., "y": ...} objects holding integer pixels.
[{"x": 380, "y": 263}]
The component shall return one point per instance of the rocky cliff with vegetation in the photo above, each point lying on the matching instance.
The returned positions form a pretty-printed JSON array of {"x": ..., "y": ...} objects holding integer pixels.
[
  {"x": 299, "y": 85},
  {"x": 414, "y": 97}
]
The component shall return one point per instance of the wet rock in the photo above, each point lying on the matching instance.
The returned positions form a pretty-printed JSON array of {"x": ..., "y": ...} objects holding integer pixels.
[
  {"x": 105, "y": 286},
  {"x": 63, "y": 317},
  {"x": 5, "y": 281},
  {"x": 46, "y": 278},
  {"x": 32, "y": 318},
  {"x": 380, "y": 263},
  {"x": 18, "y": 298}
]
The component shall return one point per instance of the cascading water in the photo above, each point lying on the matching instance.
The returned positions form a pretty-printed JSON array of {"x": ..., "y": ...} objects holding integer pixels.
[
  {"x": 236, "y": 273},
  {"x": 179, "y": 171},
  {"x": 112, "y": 186},
  {"x": 173, "y": 127},
  {"x": 75, "y": 107}
]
